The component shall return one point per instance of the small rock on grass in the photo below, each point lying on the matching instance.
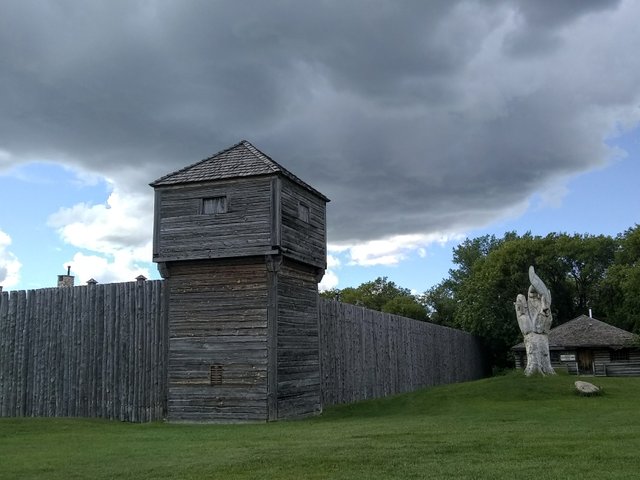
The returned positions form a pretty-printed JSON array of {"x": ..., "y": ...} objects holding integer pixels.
[{"x": 586, "y": 389}]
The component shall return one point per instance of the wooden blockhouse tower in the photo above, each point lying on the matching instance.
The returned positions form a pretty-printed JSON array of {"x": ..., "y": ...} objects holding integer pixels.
[{"x": 241, "y": 242}]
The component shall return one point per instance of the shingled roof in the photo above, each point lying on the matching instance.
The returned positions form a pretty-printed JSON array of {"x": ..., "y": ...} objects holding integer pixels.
[
  {"x": 585, "y": 331},
  {"x": 240, "y": 160}
]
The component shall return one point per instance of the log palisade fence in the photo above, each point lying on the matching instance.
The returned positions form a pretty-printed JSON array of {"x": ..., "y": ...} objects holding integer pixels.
[
  {"x": 88, "y": 351},
  {"x": 236, "y": 331},
  {"x": 367, "y": 354},
  {"x": 101, "y": 351}
]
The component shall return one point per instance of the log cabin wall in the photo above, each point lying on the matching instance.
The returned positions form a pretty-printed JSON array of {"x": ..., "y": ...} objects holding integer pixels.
[
  {"x": 265, "y": 228},
  {"x": 298, "y": 355},
  {"x": 610, "y": 362},
  {"x": 303, "y": 230},
  {"x": 218, "y": 340},
  {"x": 183, "y": 230}
]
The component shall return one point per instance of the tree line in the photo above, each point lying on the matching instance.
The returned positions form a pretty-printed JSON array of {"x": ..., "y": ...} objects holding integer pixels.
[{"x": 583, "y": 272}]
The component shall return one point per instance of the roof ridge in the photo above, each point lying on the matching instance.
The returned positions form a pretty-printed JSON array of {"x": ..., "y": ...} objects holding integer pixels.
[
  {"x": 279, "y": 168},
  {"x": 266, "y": 159},
  {"x": 255, "y": 162}
]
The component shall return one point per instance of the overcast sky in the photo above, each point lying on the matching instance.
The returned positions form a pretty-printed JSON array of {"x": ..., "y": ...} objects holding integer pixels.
[{"x": 420, "y": 120}]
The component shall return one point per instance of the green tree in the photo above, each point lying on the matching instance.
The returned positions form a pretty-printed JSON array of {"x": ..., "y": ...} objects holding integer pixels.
[
  {"x": 406, "y": 306},
  {"x": 470, "y": 251},
  {"x": 478, "y": 297},
  {"x": 440, "y": 302},
  {"x": 584, "y": 261},
  {"x": 381, "y": 295},
  {"x": 620, "y": 290}
]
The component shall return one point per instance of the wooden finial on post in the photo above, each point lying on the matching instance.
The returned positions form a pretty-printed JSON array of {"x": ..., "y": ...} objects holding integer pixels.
[
  {"x": 91, "y": 281},
  {"x": 141, "y": 279}
]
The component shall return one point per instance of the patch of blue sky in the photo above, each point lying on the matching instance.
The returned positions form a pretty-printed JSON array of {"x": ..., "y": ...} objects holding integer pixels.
[
  {"x": 30, "y": 193},
  {"x": 417, "y": 271},
  {"x": 601, "y": 201}
]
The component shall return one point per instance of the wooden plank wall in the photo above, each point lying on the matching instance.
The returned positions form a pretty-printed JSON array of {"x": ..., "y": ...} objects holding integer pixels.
[
  {"x": 183, "y": 232},
  {"x": 618, "y": 368},
  {"x": 88, "y": 351},
  {"x": 622, "y": 369},
  {"x": 303, "y": 241},
  {"x": 218, "y": 318},
  {"x": 298, "y": 359},
  {"x": 367, "y": 354}
]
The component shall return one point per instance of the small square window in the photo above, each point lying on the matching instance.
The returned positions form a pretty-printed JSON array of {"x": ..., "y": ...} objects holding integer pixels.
[
  {"x": 303, "y": 212},
  {"x": 214, "y": 205}
]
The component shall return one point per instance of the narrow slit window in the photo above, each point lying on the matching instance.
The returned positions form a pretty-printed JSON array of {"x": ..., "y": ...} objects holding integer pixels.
[
  {"x": 214, "y": 205},
  {"x": 303, "y": 212},
  {"x": 215, "y": 375}
]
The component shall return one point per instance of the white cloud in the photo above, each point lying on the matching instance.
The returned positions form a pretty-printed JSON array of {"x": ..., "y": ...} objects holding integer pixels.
[
  {"x": 554, "y": 195},
  {"x": 121, "y": 267},
  {"x": 9, "y": 264},
  {"x": 333, "y": 261},
  {"x": 118, "y": 233},
  {"x": 329, "y": 281},
  {"x": 86, "y": 178},
  {"x": 125, "y": 221},
  {"x": 392, "y": 250}
]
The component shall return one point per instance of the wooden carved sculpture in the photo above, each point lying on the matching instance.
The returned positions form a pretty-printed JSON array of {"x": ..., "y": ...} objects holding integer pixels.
[{"x": 534, "y": 319}]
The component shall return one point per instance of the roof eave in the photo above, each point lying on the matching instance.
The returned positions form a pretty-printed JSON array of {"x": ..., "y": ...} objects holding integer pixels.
[{"x": 159, "y": 183}]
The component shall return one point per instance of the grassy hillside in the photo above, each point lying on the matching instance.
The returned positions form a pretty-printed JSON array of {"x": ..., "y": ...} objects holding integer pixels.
[{"x": 503, "y": 427}]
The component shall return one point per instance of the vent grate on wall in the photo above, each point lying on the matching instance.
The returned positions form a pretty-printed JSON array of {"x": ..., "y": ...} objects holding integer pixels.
[{"x": 215, "y": 374}]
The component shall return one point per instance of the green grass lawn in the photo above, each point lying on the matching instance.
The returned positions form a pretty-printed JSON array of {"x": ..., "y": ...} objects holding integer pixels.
[{"x": 504, "y": 427}]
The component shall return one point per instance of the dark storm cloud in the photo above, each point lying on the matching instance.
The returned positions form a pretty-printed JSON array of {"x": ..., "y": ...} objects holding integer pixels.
[
  {"x": 413, "y": 117},
  {"x": 541, "y": 21}
]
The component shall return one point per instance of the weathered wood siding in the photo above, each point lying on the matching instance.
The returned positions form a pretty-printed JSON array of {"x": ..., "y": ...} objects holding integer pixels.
[
  {"x": 218, "y": 318},
  {"x": 244, "y": 343},
  {"x": 301, "y": 240},
  {"x": 368, "y": 354},
  {"x": 604, "y": 366},
  {"x": 89, "y": 351},
  {"x": 182, "y": 232},
  {"x": 298, "y": 358},
  {"x": 629, "y": 368},
  {"x": 602, "y": 363}
]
